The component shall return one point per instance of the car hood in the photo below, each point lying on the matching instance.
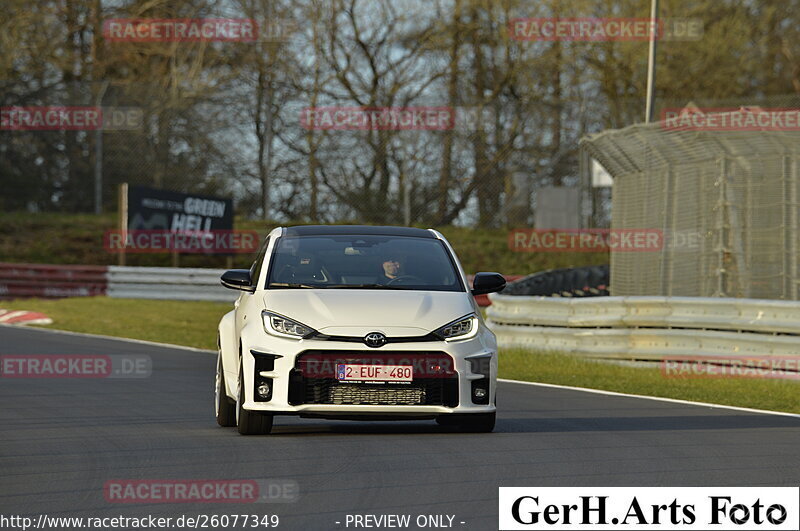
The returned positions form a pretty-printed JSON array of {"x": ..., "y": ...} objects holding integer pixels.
[{"x": 356, "y": 312}]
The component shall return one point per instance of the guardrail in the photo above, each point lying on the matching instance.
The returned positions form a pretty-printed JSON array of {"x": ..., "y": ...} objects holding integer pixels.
[
  {"x": 172, "y": 283},
  {"x": 166, "y": 283},
  {"x": 647, "y": 328},
  {"x": 58, "y": 281}
]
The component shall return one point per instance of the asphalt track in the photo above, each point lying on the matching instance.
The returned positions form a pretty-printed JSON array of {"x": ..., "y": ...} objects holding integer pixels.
[{"x": 62, "y": 439}]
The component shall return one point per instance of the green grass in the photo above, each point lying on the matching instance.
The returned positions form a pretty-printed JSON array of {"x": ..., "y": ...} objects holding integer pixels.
[
  {"x": 194, "y": 324},
  {"x": 561, "y": 369},
  {"x": 53, "y": 238},
  {"x": 188, "y": 323}
]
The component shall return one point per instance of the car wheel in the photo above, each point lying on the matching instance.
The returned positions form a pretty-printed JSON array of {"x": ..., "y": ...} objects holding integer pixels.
[
  {"x": 250, "y": 422},
  {"x": 468, "y": 422},
  {"x": 224, "y": 407}
]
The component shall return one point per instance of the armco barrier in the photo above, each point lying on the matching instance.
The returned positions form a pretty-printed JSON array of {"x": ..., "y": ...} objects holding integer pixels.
[
  {"x": 167, "y": 283},
  {"x": 51, "y": 281},
  {"x": 184, "y": 283},
  {"x": 54, "y": 281},
  {"x": 648, "y": 328}
]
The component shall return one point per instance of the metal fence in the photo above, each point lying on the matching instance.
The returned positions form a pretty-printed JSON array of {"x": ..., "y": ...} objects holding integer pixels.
[
  {"x": 649, "y": 328},
  {"x": 168, "y": 283},
  {"x": 57, "y": 281},
  {"x": 726, "y": 201}
]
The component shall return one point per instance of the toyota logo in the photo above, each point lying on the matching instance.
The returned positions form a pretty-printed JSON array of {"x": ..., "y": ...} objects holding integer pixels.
[{"x": 375, "y": 339}]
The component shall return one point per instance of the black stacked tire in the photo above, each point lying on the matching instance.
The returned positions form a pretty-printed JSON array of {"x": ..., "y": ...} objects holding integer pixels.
[{"x": 589, "y": 281}]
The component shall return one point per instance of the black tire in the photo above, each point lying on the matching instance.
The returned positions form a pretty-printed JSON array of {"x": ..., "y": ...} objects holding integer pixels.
[
  {"x": 250, "y": 422},
  {"x": 224, "y": 407},
  {"x": 468, "y": 422},
  {"x": 559, "y": 286}
]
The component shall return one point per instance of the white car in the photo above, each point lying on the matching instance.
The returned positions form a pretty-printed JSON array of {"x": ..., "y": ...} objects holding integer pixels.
[{"x": 358, "y": 323}]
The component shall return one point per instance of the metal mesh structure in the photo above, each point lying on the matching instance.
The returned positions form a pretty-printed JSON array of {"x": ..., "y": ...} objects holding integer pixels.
[{"x": 726, "y": 201}]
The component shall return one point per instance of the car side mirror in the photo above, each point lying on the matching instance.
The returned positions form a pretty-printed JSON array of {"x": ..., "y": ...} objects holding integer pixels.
[
  {"x": 238, "y": 279},
  {"x": 487, "y": 283}
]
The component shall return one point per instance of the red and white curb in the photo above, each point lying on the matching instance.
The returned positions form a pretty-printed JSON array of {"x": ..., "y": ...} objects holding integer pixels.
[{"x": 24, "y": 317}]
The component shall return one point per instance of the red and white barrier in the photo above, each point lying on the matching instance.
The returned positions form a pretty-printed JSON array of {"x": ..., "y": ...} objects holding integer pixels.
[{"x": 51, "y": 281}]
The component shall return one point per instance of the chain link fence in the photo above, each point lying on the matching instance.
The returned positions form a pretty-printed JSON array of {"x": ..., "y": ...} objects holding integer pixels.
[{"x": 724, "y": 192}]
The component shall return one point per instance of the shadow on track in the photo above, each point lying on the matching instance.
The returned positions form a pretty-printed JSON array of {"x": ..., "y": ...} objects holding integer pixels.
[
  {"x": 655, "y": 423},
  {"x": 543, "y": 425}
]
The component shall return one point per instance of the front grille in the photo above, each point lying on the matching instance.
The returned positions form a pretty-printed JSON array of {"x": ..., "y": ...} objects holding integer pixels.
[
  {"x": 423, "y": 392},
  {"x": 370, "y": 394},
  {"x": 311, "y": 381}
]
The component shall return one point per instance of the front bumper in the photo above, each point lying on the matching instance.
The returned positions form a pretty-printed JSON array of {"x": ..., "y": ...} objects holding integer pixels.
[{"x": 474, "y": 363}]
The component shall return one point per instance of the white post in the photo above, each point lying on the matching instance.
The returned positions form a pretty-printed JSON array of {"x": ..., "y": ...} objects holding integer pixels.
[{"x": 651, "y": 61}]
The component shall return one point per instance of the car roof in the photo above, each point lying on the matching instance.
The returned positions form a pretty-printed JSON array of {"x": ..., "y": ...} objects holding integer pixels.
[{"x": 358, "y": 230}]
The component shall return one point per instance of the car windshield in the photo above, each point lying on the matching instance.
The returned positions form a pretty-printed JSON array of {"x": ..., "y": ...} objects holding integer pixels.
[{"x": 366, "y": 262}]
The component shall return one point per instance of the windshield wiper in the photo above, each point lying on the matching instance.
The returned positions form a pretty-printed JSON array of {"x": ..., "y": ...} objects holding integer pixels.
[{"x": 291, "y": 285}]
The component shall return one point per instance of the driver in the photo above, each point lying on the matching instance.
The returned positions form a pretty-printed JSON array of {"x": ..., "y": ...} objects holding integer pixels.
[{"x": 392, "y": 268}]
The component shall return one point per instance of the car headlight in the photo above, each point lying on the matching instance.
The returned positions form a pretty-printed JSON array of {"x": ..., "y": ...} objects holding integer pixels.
[
  {"x": 281, "y": 326},
  {"x": 462, "y": 328}
]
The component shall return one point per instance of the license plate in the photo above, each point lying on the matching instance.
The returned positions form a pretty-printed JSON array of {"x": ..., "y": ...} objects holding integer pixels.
[{"x": 374, "y": 373}]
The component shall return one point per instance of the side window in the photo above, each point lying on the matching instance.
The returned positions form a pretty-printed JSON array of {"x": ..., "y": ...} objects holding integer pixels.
[{"x": 255, "y": 269}]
